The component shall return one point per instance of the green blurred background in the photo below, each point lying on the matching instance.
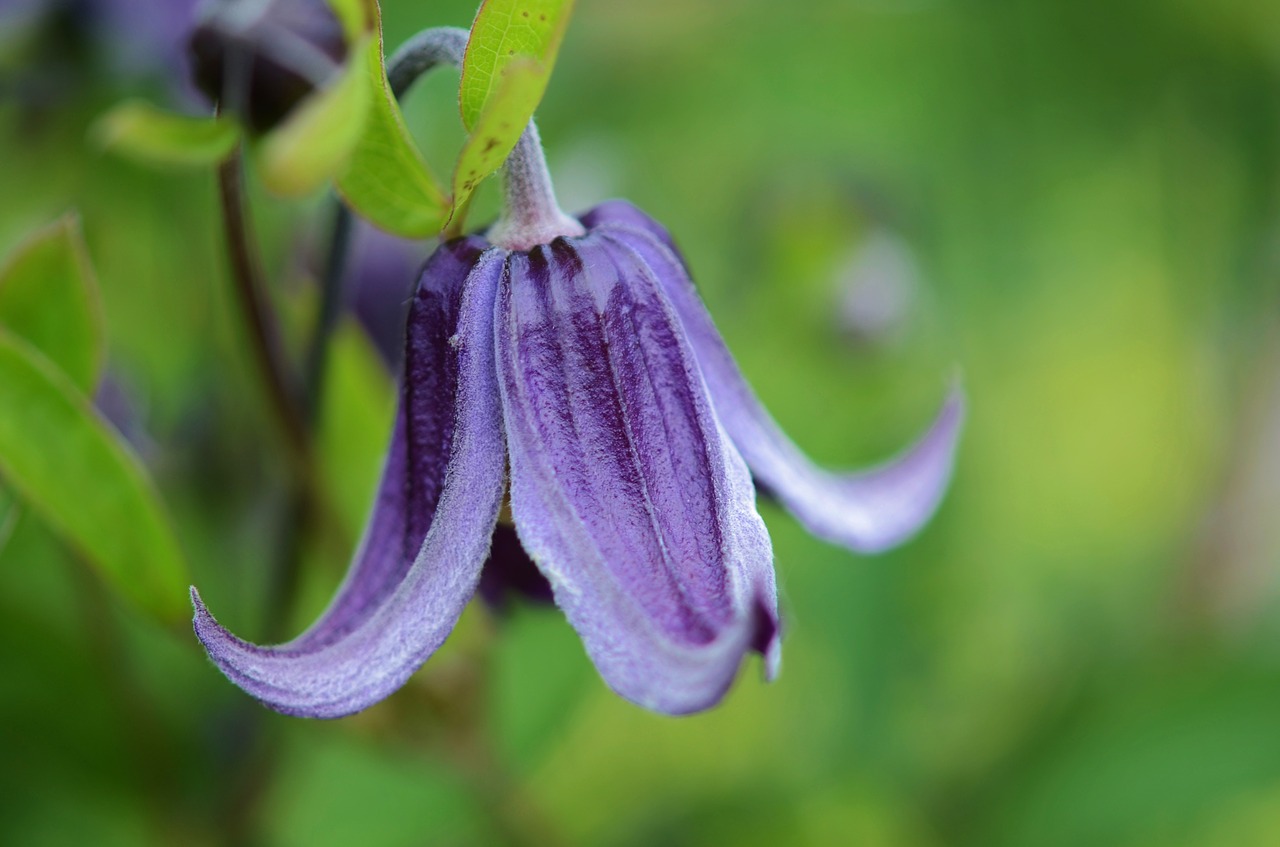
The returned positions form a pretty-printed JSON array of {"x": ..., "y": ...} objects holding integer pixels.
[{"x": 1074, "y": 204}]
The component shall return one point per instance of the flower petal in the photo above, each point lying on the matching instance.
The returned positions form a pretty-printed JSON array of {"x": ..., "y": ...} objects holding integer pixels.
[
  {"x": 866, "y": 511},
  {"x": 431, "y": 527},
  {"x": 418, "y": 454},
  {"x": 625, "y": 490}
]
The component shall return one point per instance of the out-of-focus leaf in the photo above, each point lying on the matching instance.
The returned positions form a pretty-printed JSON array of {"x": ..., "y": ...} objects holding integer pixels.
[
  {"x": 1153, "y": 755},
  {"x": 387, "y": 181},
  {"x": 9, "y": 514},
  {"x": 356, "y": 422},
  {"x": 152, "y": 136},
  {"x": 80, "y": 477},
  {"x": 355, "y": 16},
  {"x": 316, "y": 143},
  {"x": 499, "y": 127},
  {"x": 49, "y": 296},
  {"x": 333, "y": 790},
  {"x": 503, "y": 32}
]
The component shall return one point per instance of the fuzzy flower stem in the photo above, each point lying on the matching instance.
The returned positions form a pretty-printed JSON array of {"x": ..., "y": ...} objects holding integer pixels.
[
  {"x": 531, "y": 215},
  {"x": 443, "y": 45}
]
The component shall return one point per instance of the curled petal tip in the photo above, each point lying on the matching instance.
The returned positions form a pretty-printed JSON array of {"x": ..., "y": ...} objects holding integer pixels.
[
  {"x": 867, "y": 511},
  {"x": 428, "y": 535}
]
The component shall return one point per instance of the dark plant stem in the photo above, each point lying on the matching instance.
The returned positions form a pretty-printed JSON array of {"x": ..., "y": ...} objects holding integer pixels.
[
  {"x": 299, "y": 511},
  {"x": 251, "y": 297},
  {"x": 331, "y": 297}
]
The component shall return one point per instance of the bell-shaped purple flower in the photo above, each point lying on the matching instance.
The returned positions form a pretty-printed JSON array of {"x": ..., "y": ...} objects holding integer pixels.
[{"x": 578, "y": 355}]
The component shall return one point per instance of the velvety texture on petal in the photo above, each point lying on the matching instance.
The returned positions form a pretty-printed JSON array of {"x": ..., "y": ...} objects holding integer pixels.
[
  {"x": 431, "y": 525},
  {"x": 625, "y": 489},
  {"x": 865, "y": 511}
]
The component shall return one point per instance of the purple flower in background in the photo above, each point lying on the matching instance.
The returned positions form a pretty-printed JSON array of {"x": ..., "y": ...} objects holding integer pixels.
[
  {"x": 379, "y": 285},
  {"x": 137, "y": 36},
  {"x": 261, "y": 58}
]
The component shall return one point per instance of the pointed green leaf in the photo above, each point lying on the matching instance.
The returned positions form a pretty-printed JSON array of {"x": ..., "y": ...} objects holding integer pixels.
[
  {"x": 499, "y": 127},
  {"x": 503, "y": 32},
  {"x": 76, "y": 472},
  {"x": 49, "y": 297},
  {"x": 387, "y": 182},
  {"x": 142, "y": 132},
  {"x": 315, "y": 144}
]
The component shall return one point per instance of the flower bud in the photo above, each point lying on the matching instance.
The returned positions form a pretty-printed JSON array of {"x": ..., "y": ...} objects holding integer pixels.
[{"x": 259, "y": 58}]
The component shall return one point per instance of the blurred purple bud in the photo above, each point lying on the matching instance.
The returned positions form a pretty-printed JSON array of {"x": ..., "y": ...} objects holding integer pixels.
[
  {"x": 119, "y": 404},
  {"x": 260, "y": 58},
  {"x": 380, "y": 280},
  {"x": 878, "y": 287}
]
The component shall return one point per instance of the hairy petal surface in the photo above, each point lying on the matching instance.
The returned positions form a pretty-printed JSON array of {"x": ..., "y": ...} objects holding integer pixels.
[
  {"x": 624, "y": 488},
  {"x": 432, "y": 523},
  {"x": 866, "y": 511}
]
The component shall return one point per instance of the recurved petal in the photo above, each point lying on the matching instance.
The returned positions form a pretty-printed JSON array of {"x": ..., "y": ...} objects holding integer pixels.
[
  {"x": 625, "y": 491},
  {"x": 431, "y": 526},
  {"x": 866, "y": 511}
]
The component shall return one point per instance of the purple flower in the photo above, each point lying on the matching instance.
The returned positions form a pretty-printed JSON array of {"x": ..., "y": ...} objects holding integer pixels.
[
  {"x": 569, "y": 369},
  {"x": 591, "y": 368}
]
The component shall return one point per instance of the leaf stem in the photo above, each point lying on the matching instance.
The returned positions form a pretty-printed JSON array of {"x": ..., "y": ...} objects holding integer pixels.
[{"x": 442, "y": 45}]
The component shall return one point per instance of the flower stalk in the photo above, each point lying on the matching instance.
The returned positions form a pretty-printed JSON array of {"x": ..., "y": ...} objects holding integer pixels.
[{"x": 531, "y": 215}]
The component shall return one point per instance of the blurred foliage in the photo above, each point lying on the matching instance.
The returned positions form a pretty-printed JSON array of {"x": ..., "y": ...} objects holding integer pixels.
[{"x": 1081, "y": 649}]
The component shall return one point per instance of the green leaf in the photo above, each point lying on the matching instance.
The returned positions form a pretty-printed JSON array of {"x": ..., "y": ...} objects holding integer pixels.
[
  {"x": 10, "y": 512},
  {"x": 76, "y": 472},
  {"x": 354, "y": 17},
  {"x": 503, "y": 32},
  {"x": 387, "y": 182},
  {"x": 508, "y": 63},
  {"x": 315, "y": 144},
  {"x": 142, "y": 132},
  {"x": 499, "y": 127},
  {"x": 49, "y": 297}
]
